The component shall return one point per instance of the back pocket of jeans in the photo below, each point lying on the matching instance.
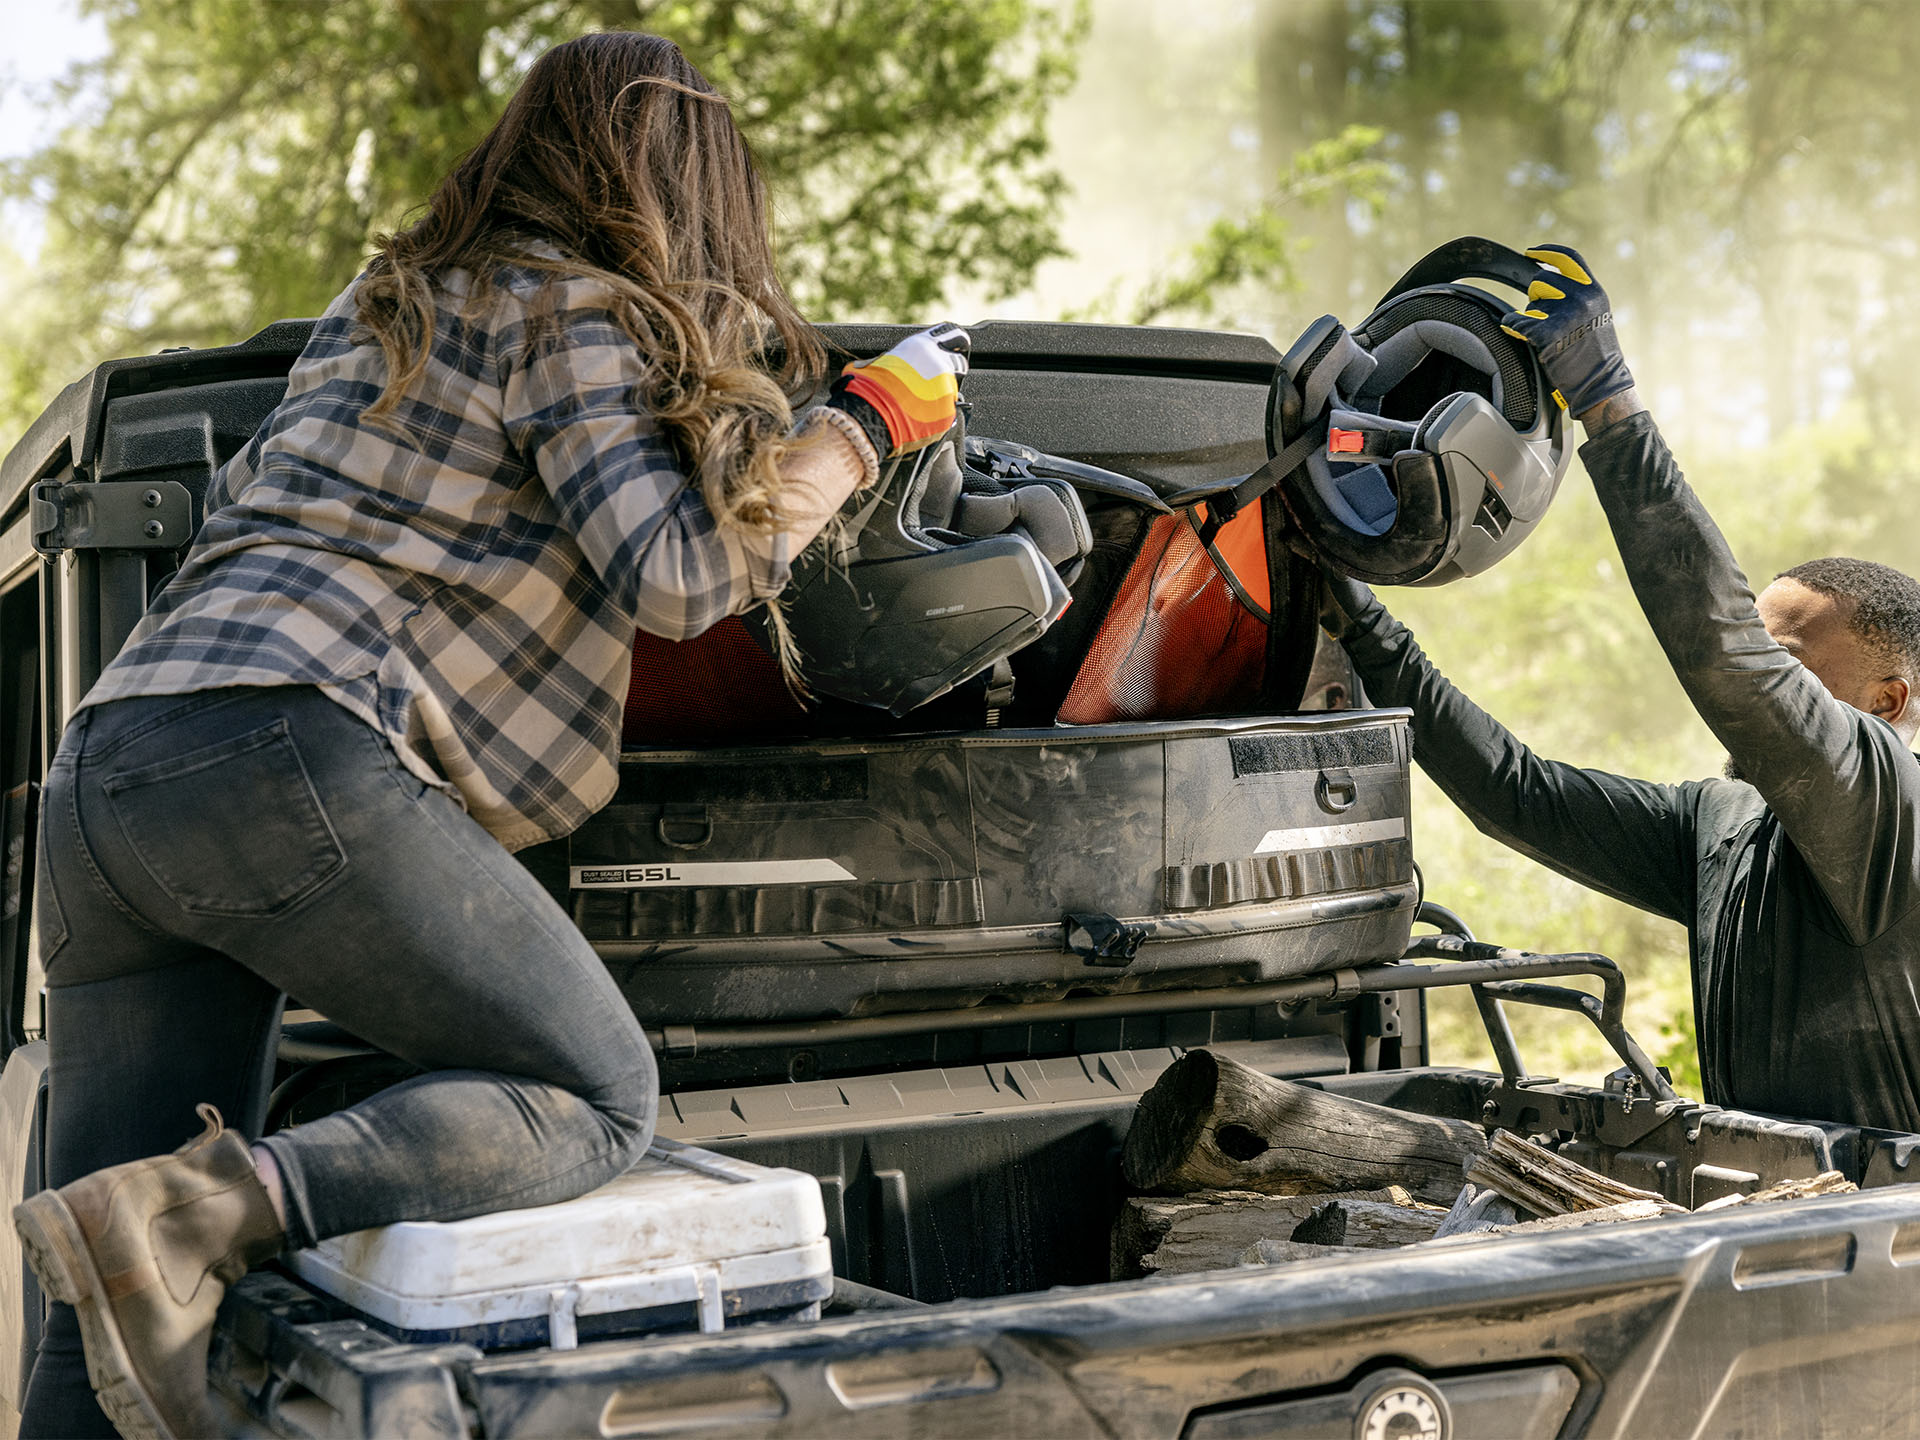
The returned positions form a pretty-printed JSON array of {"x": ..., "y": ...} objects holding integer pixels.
[{"x": 232, "y": 829}]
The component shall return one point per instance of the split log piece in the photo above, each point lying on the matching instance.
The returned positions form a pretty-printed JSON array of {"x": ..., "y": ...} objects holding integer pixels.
[
  {"x": 1606, "y": 1215},
  {"x": 1572, "y": 1220},
  {"x": 1285, "y": 1252},
  {"x": 1212, "y": 1229},
  {"x": 1828, "y": 1182},
  {"x": 1549, "y": 1184},
  {"x": 1213, "y": 1123},
  {"x": 1479, "y": 1208},
  {"x": 1367, "y": 1224}
]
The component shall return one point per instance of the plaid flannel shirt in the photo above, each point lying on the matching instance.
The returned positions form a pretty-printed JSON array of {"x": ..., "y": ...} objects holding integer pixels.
[{"x": 470, "y": 591}]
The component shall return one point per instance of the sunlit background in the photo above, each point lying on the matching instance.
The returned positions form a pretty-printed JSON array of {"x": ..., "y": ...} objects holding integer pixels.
[{"x": 1741, "y": 173}]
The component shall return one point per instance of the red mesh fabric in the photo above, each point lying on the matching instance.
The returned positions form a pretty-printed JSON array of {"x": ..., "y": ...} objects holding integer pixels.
[
  {"x": 1175, "y": 642},
  {"x": 720, "y": 685},
  {"x": 1241, "y": 546}
]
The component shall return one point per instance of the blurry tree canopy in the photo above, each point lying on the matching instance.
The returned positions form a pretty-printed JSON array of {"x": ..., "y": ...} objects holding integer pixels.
[
  {"x": 227, "y": 161},
  {"x": 1257, "y": 251},
  {"x": 1744, "y": 173}
]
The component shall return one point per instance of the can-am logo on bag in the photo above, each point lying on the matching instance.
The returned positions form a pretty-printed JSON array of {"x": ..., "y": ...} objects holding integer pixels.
[{"x": 708, "y": 872}]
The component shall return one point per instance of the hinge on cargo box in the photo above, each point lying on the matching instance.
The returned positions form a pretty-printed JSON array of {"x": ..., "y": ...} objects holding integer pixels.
[
  {"x": 109, "y": 515},
  {"x": 1379, "y": 1015}
]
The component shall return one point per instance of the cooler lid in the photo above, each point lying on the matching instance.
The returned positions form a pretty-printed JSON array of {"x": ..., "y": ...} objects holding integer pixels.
[{"x": 678, "y": 1206}]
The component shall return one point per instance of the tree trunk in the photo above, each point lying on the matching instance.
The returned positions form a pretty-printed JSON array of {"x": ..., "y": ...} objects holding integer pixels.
[{"x": 1210, "y": 1123}]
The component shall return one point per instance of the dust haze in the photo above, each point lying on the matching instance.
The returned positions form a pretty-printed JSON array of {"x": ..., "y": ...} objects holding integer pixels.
[{"x": 1743, "y": 179}]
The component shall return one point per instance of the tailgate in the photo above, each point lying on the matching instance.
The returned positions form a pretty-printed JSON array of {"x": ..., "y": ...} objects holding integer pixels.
[{"x": 1790, "y": 1320}]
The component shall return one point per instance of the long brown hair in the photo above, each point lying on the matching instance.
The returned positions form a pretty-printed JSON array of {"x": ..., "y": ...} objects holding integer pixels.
[{"x": 617, "y": 160}]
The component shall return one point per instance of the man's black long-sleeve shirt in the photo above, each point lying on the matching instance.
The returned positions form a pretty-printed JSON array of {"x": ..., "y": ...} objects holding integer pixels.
[{"x": 1798, "y": 890}]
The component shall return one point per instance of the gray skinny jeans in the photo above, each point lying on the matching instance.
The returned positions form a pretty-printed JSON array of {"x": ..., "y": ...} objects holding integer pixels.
[{"x": 202, "y": 857}]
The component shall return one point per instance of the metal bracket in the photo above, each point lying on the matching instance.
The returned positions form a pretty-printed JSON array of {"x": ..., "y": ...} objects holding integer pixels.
[
  {"x": 109, "y": 515},
  {"x": 1101, "y": 939}
]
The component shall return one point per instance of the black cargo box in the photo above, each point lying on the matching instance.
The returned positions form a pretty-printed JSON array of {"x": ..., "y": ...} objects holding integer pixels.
[{"x": 843, "y": 878}]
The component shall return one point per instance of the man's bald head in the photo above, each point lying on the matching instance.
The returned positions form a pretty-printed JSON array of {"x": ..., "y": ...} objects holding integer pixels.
[{"x": 1856, "y": 625}]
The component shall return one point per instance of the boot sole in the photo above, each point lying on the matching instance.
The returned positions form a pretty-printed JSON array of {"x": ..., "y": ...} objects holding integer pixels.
[{"x": 57, "y": 1251}]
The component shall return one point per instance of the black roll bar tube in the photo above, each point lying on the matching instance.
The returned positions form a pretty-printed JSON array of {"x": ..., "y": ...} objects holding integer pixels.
[
  {"x": 1467, "y": 962},
  {"x": 1506, "y": 1048},
  {"x": 1607, "y": 1012}
]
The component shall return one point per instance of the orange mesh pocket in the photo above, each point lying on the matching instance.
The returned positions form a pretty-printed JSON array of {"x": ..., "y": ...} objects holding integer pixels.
[
  {"x": 1175, "y": 641},
  {"x": 721, "y": 685}
]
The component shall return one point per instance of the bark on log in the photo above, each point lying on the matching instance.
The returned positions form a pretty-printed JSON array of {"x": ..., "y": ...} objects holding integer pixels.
[
  {"x": 1213, "y": 1123},
  {"x": 1367, "y": 1224},
  {"x": 1572, "y": 1220},
  {"x": 1285, "y": 1252},
  {"x": 1213, "y": 1229}
]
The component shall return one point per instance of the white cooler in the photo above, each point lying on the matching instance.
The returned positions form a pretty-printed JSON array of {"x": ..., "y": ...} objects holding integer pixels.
[{"x": 686, "y": 1238}]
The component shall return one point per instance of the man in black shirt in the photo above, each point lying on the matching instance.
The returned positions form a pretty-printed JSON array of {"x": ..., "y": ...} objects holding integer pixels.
[{"x": 1797, "y": 881}]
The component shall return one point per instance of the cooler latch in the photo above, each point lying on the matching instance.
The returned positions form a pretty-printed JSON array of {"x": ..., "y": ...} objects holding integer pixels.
[{"x": 614, "y": 1293}]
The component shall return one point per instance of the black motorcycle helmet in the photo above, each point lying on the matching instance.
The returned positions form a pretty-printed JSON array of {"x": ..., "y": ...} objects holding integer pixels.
[{"x": 1444, "y": 444}]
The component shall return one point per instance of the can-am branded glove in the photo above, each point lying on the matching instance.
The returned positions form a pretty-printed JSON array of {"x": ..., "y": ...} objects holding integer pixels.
[
  {"x": 1569, "y": 323},
  {"x": 905, "y": 398}
]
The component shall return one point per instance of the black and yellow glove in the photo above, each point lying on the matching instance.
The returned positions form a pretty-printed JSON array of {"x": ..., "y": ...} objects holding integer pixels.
[{"x": 1569, "y": 323}]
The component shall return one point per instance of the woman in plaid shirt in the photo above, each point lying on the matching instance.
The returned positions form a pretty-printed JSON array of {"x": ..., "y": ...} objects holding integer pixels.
[{"x": 397, "y": 651}]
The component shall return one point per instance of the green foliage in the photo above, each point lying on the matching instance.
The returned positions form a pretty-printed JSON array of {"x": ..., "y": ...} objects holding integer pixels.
[
  {"x": 1680, "y": 1052},
  {"x": 227, "y": 161},
  {"x": 1259, "y": 248}
]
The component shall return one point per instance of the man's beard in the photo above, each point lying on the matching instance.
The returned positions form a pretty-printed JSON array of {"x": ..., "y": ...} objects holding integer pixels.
[{"x": 1733, "y": 771}]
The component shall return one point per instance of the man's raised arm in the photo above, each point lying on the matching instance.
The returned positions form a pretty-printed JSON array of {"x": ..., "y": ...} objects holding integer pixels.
[
  {"x": 1843, "y": 783},
  {"x": 1631, "y": 839}
]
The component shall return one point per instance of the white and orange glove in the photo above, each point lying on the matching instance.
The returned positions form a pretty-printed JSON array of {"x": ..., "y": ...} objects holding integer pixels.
[{"x": 905, "y": 399}]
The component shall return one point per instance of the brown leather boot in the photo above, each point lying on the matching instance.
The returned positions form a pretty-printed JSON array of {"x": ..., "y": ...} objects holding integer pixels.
[{"x": 143, "y": 1252}]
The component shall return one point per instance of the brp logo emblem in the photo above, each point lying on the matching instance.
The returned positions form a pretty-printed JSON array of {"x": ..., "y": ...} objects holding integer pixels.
[{"x": 1404, "y": 1407}]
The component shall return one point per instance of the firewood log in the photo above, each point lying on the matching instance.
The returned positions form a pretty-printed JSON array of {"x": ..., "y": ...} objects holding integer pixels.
[
  {"x": 1213, "y": 1123},
  {"x": 1828, "y": 1182},
  {"x": 1212, "y": 1229},
  {"x": 1367, "y": 1224},
  {"x": 1536, "y": 1179}
]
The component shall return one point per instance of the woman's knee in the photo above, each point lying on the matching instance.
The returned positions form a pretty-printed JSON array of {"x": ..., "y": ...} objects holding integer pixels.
[{"x": 631, "y": 1105}]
